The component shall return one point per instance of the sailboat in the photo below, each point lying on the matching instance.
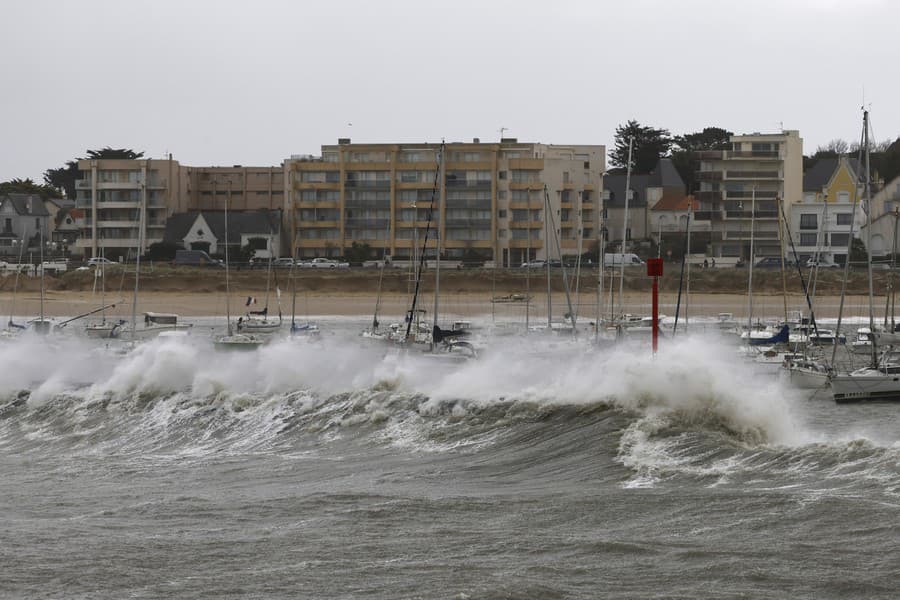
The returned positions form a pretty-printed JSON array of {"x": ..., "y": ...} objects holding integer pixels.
[
  {"x": 880, "y": 380},
  {"x": 258, "y": 321},
  {"x": 300, "y": 330},
  {"x": 232, "y": 340},
  {"x": 104, "y": 329},
  {"x": 13, "y": 329},
  {"x": 442, "y": 343}
]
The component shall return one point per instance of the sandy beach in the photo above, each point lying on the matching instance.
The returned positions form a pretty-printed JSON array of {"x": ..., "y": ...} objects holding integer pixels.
[{"x": 59, "y": 303}]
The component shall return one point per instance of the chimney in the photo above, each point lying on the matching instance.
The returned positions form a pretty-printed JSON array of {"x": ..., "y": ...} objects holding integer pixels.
[
  {"x": 476, "y": 141},
  {"x": 343, "y": 141}
]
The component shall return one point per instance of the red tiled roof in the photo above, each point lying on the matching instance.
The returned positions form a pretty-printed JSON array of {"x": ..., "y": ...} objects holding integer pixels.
[{"x": 674, "y": 201}]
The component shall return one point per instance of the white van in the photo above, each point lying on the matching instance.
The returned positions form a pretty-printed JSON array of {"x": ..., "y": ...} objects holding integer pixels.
[{"x": 617, "y": 260}]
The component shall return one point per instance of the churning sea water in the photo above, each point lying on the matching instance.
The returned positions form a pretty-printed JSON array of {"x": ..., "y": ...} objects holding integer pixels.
[{"x": 328, "y": 470}]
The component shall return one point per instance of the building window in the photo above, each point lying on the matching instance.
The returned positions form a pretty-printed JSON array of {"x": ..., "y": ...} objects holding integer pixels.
[
  {"x": 7, "y": 227},
  {"x": 501, "y": 213},
  {"x": 808, "y": 239},
  {"x": 809, "y": 221},
  {"x": 843, "y": 197},
  {"x": 37, "y": 223},
  {"x": 840, "y": 239},
  {"x": 501, "y": 233},
  {"x": 501, "y": 175},
  {"x": 587, "y": 164},
  {"x": 844, "y": 218}
]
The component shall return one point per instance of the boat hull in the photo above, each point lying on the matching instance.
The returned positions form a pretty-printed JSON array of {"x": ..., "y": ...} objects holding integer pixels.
[{"x": 848, "y": 389}]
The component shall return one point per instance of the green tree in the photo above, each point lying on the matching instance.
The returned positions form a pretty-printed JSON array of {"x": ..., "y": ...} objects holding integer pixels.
[
  {"x": 64, "y": 177},
  {"x": 358, "y": 253},
  {"x": 27, "y": 186},
  {"x": 650, "y": 144},
  {"x": 684, "y": 156},
  {"x": 162, "y": 251}
]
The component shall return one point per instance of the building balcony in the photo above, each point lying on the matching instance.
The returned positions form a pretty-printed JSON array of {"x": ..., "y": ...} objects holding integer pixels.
[
  {"x": 533, "y": 244},
  {"x": 469, "y": 223},
  {"x": 118, "y": 185},
  {"x": 710, "y": 175},
  {"x": 768, "y": 175},
  {"x": 381, "y": 224},
  {"x": 526, "y": 225},
  {"x": 117, "y": 224},
  {"x": 368, "y": 185},
  {"x": 318, "y": 224},
  {"x": 708, "y": 196},
  {"x": 82, "y": 184},
  {"x": 469, "y": 184}
]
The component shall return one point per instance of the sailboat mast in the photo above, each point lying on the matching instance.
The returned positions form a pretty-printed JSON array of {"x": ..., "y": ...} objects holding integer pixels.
[
  {"x": 227, "y": 267},
  {"x": 547, "y": 256},
  {"x": 868, "y": 196},
  {"x": 625, "y": 223},
  {"x": 140, "y": 246},
  {"x": 440, "y": 221},
  {"x": 687, "y": 296},
  {"x": 41, "y": 251},
  {"x": 750, "y": 270},
  {"x": 600, "y": 257}
]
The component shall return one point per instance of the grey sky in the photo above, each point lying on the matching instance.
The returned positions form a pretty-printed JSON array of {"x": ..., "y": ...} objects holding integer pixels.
[{"x": 226, "y": 82}]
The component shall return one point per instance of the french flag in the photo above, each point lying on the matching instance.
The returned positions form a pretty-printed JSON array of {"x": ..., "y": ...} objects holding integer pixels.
[{"x": 250, "y": 300}]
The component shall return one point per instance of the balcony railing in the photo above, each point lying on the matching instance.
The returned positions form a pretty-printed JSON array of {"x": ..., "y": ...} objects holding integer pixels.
[
  {"x": 753, "y": 175},
  {"x": 381, "y": 224},
  {"x": 709, "y": 175},
  {"x": 382, "y": 184},
  {"x": 470, "y": 223}
]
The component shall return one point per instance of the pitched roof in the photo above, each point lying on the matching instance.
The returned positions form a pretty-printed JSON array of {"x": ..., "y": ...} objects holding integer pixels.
[
  {"x": 615, "y": 185},
  {"x": 262, "y": 221},
  {"x": 817, "y": 177},
  {"x": 665, "y": 175},
  {"x": 674, "y": 201},
  {"x": 28, "y": 205}
]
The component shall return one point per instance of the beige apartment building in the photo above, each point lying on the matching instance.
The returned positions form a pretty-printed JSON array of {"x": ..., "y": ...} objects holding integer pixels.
[
  {"x": 744, "y": 186},
  {"x": 112, "y": 192},
  {"x": 494, "y": 199}
]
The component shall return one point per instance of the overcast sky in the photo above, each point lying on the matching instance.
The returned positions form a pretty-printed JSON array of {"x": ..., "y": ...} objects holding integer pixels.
[{"x": 251, "y": 82}]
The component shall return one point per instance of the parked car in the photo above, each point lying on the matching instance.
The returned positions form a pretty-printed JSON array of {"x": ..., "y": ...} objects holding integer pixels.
[
  {"x": 195, "y": 258},
  {"x": 534, "y": 264},
  {"x": 772, "y": 262},
  {"x": 99, "y": 260},
  {"x": 821, "y": 264},
  {"x": 283, "y": 263},
  {"x": 327, "y": 263}
]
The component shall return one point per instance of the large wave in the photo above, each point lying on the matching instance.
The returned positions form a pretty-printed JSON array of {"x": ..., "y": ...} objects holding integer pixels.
[{"x": 694, "y": 409}]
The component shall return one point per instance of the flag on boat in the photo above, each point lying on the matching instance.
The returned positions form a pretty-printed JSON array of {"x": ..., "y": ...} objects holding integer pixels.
[{"x": 250, "y": 300}]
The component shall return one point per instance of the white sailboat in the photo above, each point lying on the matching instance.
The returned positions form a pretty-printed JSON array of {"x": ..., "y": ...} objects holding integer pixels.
[{"x": 232, "y": 340}]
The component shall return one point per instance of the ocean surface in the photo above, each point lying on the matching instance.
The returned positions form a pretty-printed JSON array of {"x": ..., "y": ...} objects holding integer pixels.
[{"x": 334, "y": 470}]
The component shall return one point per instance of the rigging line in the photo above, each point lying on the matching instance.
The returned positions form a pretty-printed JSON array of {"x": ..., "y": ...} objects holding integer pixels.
[
  {"x": 562, "y": 264},
  {"x": 681, "y": 277},
  {"x": 421, "y": 266},
  {"x": 837, "y": 330},
  {"x": 790, "y": 237}
]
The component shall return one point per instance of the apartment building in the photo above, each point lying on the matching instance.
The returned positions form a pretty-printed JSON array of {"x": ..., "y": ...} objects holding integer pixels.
[
  {"x": 494, "y": 207},
  {"x": 111, "y": 192},
  {"x": 246, "y": 188},
  {"x": 743, "y": 188}
]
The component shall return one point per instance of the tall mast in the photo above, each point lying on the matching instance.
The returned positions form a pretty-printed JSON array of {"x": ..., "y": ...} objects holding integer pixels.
[
  {"x": 227, "y": 267},
  {"x": 750, "y": 270},
  {"x": 868, "y": 196},
  {"x": 625, "y": 223},
  {"x": 437, "y": 265},
  {"x": 547, "y": 255},
  {"x": 140, "y": 247}
]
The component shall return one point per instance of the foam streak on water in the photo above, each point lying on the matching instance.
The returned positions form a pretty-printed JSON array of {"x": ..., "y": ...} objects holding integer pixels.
[{"x": 333, "y": 469}]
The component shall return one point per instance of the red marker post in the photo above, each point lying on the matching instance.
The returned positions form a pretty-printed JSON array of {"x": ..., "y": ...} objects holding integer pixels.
[{"x": 655, "y": 270}]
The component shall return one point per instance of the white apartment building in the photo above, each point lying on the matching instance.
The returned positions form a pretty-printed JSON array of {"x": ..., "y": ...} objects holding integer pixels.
[{"x": 744, "y": 187}]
